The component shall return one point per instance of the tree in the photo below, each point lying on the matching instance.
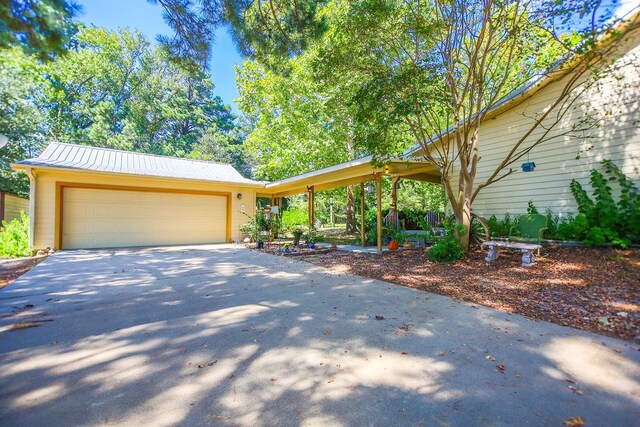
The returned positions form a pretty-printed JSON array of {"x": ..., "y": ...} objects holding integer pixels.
[
  {"x": 20, "y": 117},
  {"x": 298, "y": 124},
  {"x": 39, "y": 27}
]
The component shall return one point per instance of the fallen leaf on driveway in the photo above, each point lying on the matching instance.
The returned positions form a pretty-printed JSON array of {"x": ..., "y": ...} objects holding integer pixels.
[
  {"x": 574, "y": 422},
  {"x": 330, "y": 381},
  {"x": 23, "y": 325},
  {"x": 569, "y": 380},
  {"x": 441, "y": 353},
  {"x": 489, "y": 357},
  {"x": 403, "y": 352},
  {"x": 617, "y": 350},
  {"x": 379, "y": 317},
  {"x": 575, "y": 390},
  {"x": 501, "y": 368}
]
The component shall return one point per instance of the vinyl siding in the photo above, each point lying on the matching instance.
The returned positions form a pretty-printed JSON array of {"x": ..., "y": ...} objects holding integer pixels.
[
  {"x": 45, "y": 215},
  {"x": 563, "y": 158}
]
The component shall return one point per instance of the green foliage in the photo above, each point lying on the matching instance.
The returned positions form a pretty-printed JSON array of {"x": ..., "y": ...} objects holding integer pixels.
[
  {"x": 39, "y": 27},
  {"x": 448, "y": 248},
  {"x": 294, "y": 218},
  {"x": 609, "y": 220},
  {"x": 501, "y": 228},
  {"x": 531, "y": 209},
  {"x": 14, "y": 237}
]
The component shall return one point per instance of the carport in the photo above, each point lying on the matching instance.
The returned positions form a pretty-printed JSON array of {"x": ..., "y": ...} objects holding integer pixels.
[{"x": 364, "y": 171}]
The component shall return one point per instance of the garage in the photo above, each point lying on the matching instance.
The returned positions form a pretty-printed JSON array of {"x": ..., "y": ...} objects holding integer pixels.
[
  {"x": 91, "y": 198},
  {"x": 103, "y": 218}
]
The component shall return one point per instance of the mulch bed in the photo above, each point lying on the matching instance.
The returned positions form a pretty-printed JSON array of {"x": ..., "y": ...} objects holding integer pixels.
[
  {"x": 10, "y": 271},
  {"x": 596, "y": 290}
]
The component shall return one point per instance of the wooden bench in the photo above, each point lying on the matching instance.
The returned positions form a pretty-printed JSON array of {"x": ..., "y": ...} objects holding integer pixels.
[{"x": 528, "y": 259}]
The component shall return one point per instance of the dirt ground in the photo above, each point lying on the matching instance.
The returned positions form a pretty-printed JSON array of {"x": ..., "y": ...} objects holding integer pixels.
[
  {"x": 10, "y": 271},
  {"x": 596, "y": 290}
]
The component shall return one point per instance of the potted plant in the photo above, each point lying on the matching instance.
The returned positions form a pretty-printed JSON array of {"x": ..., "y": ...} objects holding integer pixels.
[
  {"x": 397, "y": 238},
  {"x": 297, "y": 234},
  {"x": 286, "y": 248},
  {"x": 311, "y": 240}
]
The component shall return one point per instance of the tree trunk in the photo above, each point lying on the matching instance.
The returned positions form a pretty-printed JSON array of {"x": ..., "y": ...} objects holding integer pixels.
[
  {"x": 351, "y": 210},
  {"x": 461, "y": 204}
]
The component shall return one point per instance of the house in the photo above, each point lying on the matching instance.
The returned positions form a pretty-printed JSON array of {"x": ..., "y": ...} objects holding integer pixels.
[
  {"x": 89, "y": 197},
  {"x": 603, "y": 124}
]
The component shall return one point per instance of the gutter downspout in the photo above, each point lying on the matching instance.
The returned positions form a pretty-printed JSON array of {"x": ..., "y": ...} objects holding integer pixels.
[{"x": 32, "y": 206}]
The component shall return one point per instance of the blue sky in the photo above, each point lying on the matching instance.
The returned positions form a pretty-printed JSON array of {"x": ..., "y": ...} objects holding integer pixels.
[{"x": 114, "y": 14}]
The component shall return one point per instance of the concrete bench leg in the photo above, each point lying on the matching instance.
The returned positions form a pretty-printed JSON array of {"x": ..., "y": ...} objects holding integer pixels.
[
  {"x": 528, "y": 260},
  {"x": 493, "y": 254}
]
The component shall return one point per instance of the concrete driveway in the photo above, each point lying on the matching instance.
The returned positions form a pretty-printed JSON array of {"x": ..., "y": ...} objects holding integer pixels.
[{"x": 219, "y": 335}]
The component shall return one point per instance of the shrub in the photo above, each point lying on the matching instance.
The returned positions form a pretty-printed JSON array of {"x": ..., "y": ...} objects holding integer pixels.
[
  {"x": 293, "y": 218},
  {"x": 14, "y": 237},
  {"x": 447, "y": 248},
  {"x": 609, "y": 220}
]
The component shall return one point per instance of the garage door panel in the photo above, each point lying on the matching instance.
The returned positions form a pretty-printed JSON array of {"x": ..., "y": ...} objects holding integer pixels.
[{"x": 97, "y": 218}]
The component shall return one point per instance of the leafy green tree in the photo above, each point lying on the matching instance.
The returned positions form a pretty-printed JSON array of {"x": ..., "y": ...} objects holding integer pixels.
[
  {"x": 39, "y": 27},
  {"x": 20, "y": 118},
  {"x": 298, "y": 124}
]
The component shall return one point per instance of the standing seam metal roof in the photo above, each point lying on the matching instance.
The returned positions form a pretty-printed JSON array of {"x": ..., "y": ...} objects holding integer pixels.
[{"x": 81, "y": 157}]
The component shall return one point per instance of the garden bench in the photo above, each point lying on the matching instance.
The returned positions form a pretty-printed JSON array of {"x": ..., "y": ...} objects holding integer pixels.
[{"x": 528, "y": 260}]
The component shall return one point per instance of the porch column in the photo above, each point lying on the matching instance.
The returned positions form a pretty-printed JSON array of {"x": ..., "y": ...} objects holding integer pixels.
[
  {"x": 312, "y": 208},
  {"x": 379, "y": 209},
  {"x": 393, "y": 209},
  {"x": 363, "y": 234}
]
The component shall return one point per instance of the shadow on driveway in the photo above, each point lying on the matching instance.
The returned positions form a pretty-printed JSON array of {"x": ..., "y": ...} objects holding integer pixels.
[{"x": 219, "y": 335}]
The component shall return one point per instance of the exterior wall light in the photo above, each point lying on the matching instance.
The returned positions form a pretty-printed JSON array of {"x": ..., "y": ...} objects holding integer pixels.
[
  {"x": 305, "y": 198},
  {"x": 239, "y": 196}
]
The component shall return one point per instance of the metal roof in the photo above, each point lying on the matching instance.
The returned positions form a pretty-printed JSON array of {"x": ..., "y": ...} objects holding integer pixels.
[{"x": 81, "y": 157}]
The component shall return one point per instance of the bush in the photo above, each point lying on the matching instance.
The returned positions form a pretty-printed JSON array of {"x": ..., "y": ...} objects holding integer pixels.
[
  {"x": 14, "y": 237},
  {"x": 501, "y": 228},
  {"x": 447, "y": 248},
  {"x": 609, "y": 220}
]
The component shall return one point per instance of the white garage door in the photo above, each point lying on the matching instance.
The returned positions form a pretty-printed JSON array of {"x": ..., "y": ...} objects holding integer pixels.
[{"x": 96, "y": 218}]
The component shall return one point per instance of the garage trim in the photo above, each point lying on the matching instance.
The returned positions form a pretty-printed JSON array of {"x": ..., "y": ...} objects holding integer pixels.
[{"x": 59, "y": 200}]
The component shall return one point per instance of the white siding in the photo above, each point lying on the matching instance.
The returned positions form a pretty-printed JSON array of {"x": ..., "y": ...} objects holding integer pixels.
[{"x": 562, "y": 159}]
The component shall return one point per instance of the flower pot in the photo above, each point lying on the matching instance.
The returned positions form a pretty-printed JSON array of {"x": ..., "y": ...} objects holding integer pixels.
[
  {"x": 311, "y": 245},
  {"x": 393, "y": 245},
  {"x": 260, "y": 245}
]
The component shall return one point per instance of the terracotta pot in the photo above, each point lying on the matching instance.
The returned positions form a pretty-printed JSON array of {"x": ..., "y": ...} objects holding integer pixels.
[{"x": 393, "y": 245}]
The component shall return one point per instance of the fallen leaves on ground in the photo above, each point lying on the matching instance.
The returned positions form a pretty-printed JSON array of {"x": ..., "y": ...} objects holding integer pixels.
[
  {"x": 585, "y": 288},
  {"x": 574, "y": 422},
  {"x": 10, "y": 271}
]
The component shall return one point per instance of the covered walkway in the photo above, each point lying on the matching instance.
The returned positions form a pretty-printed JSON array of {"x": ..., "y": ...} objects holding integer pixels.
[{"x": 359, "y": 171}]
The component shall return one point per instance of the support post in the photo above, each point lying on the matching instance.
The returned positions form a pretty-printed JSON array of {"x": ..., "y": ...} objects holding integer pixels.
[
  {"x": 394, "y": 201},
  {"x": 312, "y": 208},
  {"x": 363, "y": 234},
  {"x": 379, "y": 209}
]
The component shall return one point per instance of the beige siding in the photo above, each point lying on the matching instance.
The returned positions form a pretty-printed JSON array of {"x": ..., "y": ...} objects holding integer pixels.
[
  {"x": 45, "y": 210},
  {"x": 13, "y": 205},
  {"x": 563, "y": 158}
]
